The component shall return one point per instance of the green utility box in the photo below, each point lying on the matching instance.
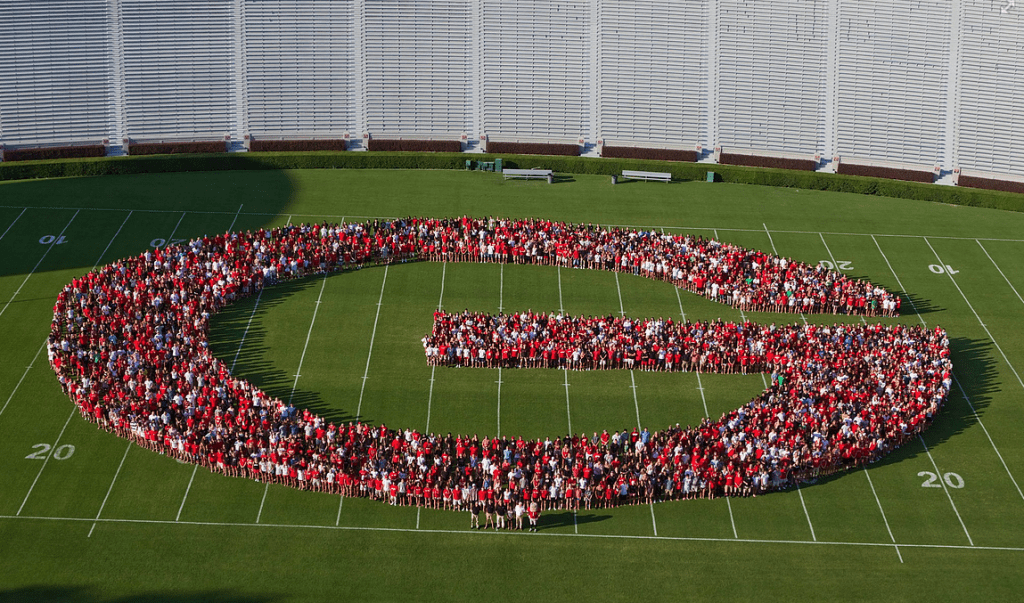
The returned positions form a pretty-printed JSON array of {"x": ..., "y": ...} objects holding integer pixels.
[
  {"x": 497, "y": 165},
  {"x": 469, "y": 164},
  {"x": 711, "y": 177}
]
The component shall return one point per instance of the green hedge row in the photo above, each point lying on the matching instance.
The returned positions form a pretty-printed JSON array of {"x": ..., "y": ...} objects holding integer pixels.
[{"x": 452, "y": 161}]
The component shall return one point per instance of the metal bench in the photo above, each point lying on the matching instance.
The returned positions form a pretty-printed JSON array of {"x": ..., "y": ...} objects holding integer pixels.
[
  {"x": 529, "y": 174},
  {"x": 636, "y": 175}
]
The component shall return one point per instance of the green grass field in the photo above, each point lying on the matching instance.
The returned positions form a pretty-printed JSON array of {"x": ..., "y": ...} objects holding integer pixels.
[{"x": 85, "y": 516}]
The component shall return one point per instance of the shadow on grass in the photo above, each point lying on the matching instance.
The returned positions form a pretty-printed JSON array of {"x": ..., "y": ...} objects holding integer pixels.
[
  {"x": 561, "y": 519},
  {"x": 88, "y": 594}
]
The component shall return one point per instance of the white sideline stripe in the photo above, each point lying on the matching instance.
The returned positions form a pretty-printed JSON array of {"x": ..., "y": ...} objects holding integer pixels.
[
  {"x": 481, "y": 533},
  {"x": 882, "y": 511},
  {"x": 232, "y": 227},
  {"x": 962, "y": 392},
  {"x": 369, "y": 354},
  {"x": 316, "y": 308},
  {"x": 263, "y": 500},
  {"x": 642, "y": 226},
  {"x": 946, "y": 490},
  {"x": 25, "y": 209},
  {"x": 112, "y": 482},
  {"x": 1015, "y": 292},
  {"x": 981, "y": 322},
  {"x": 23, "y": 375},
  {"x": 184, "y": 498},
  {"x": 246, "y": 331},
  {"x": 700, "y": 388},
  {"x": 36, "y": 267},
  {"x": 45, "y": 461}
]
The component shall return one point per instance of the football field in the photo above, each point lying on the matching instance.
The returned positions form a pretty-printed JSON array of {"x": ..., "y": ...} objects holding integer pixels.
[{"x": 87, "y": 516}]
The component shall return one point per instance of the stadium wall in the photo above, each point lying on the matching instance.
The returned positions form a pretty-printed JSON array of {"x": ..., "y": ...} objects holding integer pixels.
[{"x": 928, "y": 86}]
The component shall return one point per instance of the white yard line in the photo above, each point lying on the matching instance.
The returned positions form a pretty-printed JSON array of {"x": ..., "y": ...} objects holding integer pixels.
[
  {"x": 369, "y": 354},
  {"x": 499, "y": 401},
  {"x": 418, "y": 517},
  {"x": 955, "y": 379},
  {"x": 561, "y": 307},
  {"x": 45, "y": 461},
  {"x": 36, "y": 267},
  {"x": 942, "y": 482},
  {"x": 882, "y": 511},
  {"x": 1015, "y": 292},
  {"x": 23, "y": 375},
  {"x": 246, "y": 331},
  {"x": 501, "y": 288},
  {"x": 575, "y": 525},
  {"x": 23, "y": 210},
  {"x": 654, "y": 522},
  {"x": 636, "y": 404},
  {"x": 700, "y": 388},
  {"x": 776, "y": 252},
  {"x": 835, "y": 266},
  {"x": 184, "y": 498},
  {"x": 309, "y": 333},
  {"x": 981, "y": 322},
  {"x": 232, "y": 227},
  {"x": 175, "y": 231},
  {"x": 109, "y": 490},
  {"x": 622, "y": 311},
  {"x": 341, "y": 501},
  {"x": 568, "y": 414},
  {"x": 262, "y": 501},
  {"x": 507, "y": 534},
  {"x": 806, "y": 514},
  {"x": 433, "y": 369}
]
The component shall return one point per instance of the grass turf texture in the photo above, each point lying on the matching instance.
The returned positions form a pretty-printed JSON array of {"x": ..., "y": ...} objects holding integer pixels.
[{"x": 112, "y": 521}]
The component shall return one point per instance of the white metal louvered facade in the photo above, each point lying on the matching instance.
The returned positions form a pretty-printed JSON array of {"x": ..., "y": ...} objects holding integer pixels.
[
  {"x": 56, "y": 72},
  {"x": 892, "y": 79},
  {"x": 536, "y": 76},
  {"x": 652, "y": 72},
  {"x": 300, "y": 68},
  {"x": 178, "y": 68},
  {"x": 771, "y": 75},
  {"x": 419, "y": 61},
  {"x": 991, "y": 114}
]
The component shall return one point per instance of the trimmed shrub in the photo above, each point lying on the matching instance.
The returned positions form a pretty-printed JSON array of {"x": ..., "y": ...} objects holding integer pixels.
[
  {"x": 885, "y": 172},
  {"x": 415, "y": 146},
  {"x": 43, "y": 153},
  {"x": 991, "y": 184},
  {"x": 297, "y": 145},
  {"x": 532, "y": 148},
  {"x": 782, "y": 163},
  {"x": 643, "y": 153},
  {"x": 173, "y": 148}
]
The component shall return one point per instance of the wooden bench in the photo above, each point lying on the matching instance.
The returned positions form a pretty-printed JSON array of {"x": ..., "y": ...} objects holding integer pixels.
[
  {"x": 636, "y": 175},
  {"x": 529, "y": 174}
]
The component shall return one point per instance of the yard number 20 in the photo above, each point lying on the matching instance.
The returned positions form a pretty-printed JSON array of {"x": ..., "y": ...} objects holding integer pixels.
[{"x": 952, "y": 480}]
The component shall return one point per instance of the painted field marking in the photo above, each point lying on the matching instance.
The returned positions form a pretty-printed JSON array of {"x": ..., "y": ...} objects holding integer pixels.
[
  {"x": 700, "y": 388},
  {"x": 45, "y": 461},
  {"x": 802, "y": 317},
  {"x": 561, "y": 307},
  {"x": 507, "y": 534},
  {"x": 23, "y": 375},
  {"x": 18, "y": 217},
  {"x": 799, "y": 492},
  {"x": 501, "y": 302},
  {"x": 981, "y": 322},
  {"x": 373, "y": 336},
  {"x": 259, "y": 296},
  {"x": 955, "y": 379},
  {"x": 1015, "y": 292},
  {"x": 184, "y": 498},
  {"x": 232, "y": 227},
  {"x": 882, "y": 511},
  {"x": 946, "y": 490},
  {"x": 622, "y": 311},
  {"x": 175, "y": 231},
  {"x": 341, "y": 501},
  {"x": 309, "y": 333},
  {"x": 112, "y": 482},
  {"x": 36, "y": 267},
  {"x": 433, "y": 369},
  {"x": 636, "y": 404},
  {"x": 262, "y": 501}
]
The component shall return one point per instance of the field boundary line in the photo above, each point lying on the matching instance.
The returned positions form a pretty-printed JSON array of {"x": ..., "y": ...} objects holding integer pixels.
[
  {"x": 16, "y": 218},
  {"x": 109, "y": 490},
  {"x": 1015, "y": 292},
  {"x": 942, "y": 482},
  {"x": 49, "y": 455},
  {"x": 302, "y": 358},
  {"x": 975, "y": 312},
  {"x": 369, "y": 354},
  {"x": 499, "y": 534},
  {"x": 882, "y": 511},
  {"x": 39, "y": 263},
  {"x": 966, "y": 398}
]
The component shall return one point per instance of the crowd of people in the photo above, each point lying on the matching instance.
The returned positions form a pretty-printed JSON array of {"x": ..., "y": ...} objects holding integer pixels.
[{"x": 129, "y": 345}]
